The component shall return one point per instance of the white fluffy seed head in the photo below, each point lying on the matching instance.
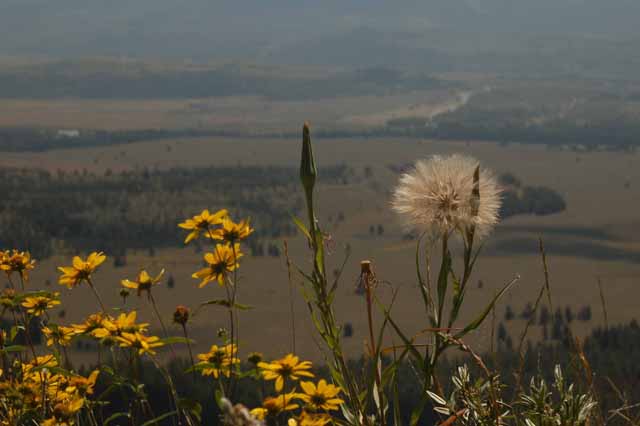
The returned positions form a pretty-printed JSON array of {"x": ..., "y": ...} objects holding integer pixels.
[{"x": 436, "y": 197}]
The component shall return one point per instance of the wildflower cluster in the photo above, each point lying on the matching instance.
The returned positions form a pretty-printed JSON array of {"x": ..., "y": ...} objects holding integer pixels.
[
  {"x": 443, "y": 197},
  {"x": 18, "y": 262},
  {"x": 39, "y": 385},
  {"x": 28, "y": 387},
  {"x": 311, "y": 404},
  {"x": 223, "y": 259}
]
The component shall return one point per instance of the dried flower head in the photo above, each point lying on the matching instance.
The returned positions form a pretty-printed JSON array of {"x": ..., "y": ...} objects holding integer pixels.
[{"x": 443, "y": 194}]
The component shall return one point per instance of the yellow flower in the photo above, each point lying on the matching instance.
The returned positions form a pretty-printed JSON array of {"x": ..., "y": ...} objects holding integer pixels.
[
  {"x": 202, "y": 222},
  {"x": 16, "y": 261},
  {"x": 83, "y": 385},
  {"x": 64, "y": 412},
  {"x": 144, "y": 344},
  {"x": 80, "y": 270},
  {"x": 287, "y": 368},
  {"x": 232, "y": 232},
  {"x": 221, "y": 262},
  {"x": 124, "y": 323},
  {"x": 274, "y": 405},
  {"x": 44, "y": 361},
  {"x": 321, "y": 397},
  {"x": 221, "y": 359},
  {"x": 8, "y": 298},
  {"x": 58, "y": 334},
  {"x": 307, "y": 419},
  {"x": 93, "y": 322},
  {"x": 144, "y": 282},
  {"x": 37, "y": 305}
]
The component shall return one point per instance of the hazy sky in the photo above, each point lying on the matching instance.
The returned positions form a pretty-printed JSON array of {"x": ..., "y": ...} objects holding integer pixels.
[{"x": 227, "y": 27}]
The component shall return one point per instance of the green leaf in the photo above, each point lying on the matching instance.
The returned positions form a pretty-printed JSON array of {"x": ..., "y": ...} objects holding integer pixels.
[
  {"x": 425, "y": 288},
  {"x": 225, "y": 303},
  {"x": 458, "y": 297},
  {"x": 14, "y": 332},
  {"x": 159, "y": 418},
  {"x": 319, "y": 248},
  {"x": 376, "y": 396},
  {"x": 54, "y": 370},
  {"x": 176, "y": 339},
  {"x": 218, "y": 397},
  {"x": 302, "y": 227},
  {"x": 417, "y": 411},
  {"x": 21, "y": 296},
  {"x": 443, "y": 281},
  {"x": 192, "y": 406},
  {"x": 116, "y": 416},
  {"x": 13, "y": 348},
  {"x": 408, "y": 343},
  {"x": 479, "y": 320},
  {"x": 304, "y": 274}
]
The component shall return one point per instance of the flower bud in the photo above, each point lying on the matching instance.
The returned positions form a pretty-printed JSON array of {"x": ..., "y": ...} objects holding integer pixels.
[
  {"x": 181, "y": 315},
  {"x": 308, "y": 171},
  {"x": 254, "y": 358}
]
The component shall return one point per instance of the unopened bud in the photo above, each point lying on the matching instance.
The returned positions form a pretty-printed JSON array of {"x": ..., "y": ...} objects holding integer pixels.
[
  {"x": 181, "y": 315},
  {"x": 308, "y": 171},
  {"x": 254, "y": 358}
]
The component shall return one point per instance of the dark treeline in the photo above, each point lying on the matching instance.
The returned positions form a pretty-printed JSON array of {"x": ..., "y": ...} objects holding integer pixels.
[
  {"x": 34, "y": 140},
  {"x": 479, "y": 125},
  {"x": 70, "y": 80},
  {"x": 611, "y": 355},
  {"x": 619, "y": 136},
  {"x": 521, "y": 199},
  {"x": 42, "y": 211}
]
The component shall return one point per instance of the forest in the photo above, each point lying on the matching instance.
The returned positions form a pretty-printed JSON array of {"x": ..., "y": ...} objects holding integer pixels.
[
  {"x": 69, "y": 211},
  {"x": 139, "y": 209}
]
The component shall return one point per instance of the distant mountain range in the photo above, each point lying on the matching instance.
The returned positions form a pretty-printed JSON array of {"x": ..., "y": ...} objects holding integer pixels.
[{"x": 275, "y": 28}]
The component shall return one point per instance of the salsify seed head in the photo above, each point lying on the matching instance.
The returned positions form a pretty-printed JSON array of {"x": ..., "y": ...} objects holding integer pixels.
[{"x": 446, "y": 193}]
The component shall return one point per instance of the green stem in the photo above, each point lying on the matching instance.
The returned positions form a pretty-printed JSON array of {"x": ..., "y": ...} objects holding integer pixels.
[
  {"x": 95, "y": 292},
  {"x": 164, "y": 328},
  {"x": 172, "y": 388},
  {"x": 193, "y": 364}
]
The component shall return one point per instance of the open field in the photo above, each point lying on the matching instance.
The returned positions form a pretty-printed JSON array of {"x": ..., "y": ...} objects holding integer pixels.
[
  {"x": 244, "y": 113},
  {"x": 596, "y": 237}
]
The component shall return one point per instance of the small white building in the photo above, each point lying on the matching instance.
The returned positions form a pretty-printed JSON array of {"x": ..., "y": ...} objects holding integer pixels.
[{"x": 68, "y": 133}]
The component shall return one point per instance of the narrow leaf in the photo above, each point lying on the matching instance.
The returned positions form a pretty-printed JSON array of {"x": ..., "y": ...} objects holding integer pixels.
[
  {"x": 116, "y": 416},
  {"x": 476, "y": 323},
  {"x": 176, "y": 339},
  {"x": 302, "y": 227},
  {"x": 160, "y": 417}
]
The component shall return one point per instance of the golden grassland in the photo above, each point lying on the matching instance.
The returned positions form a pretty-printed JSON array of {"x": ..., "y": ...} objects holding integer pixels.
[
  {"x": 593, "y": 185},
  {"x": 247, "y": 113}
]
